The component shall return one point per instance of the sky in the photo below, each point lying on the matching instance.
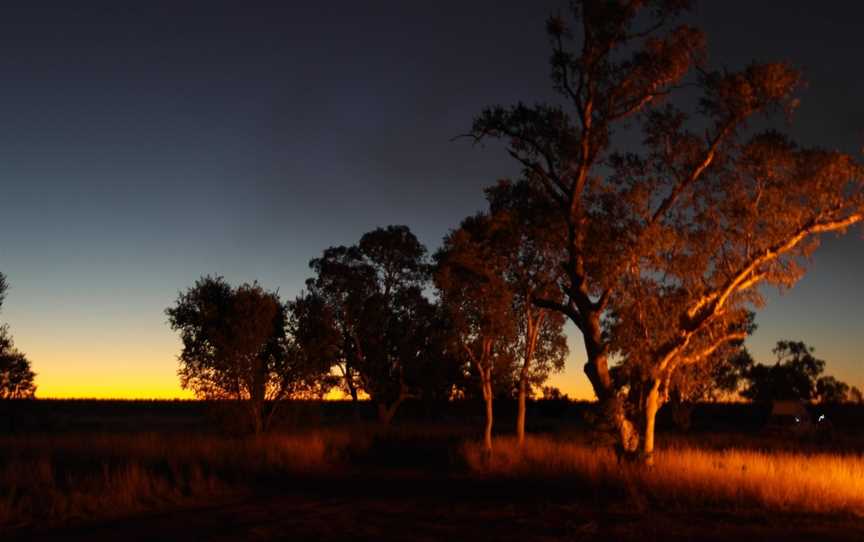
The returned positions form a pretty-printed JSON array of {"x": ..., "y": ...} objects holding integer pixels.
[{"x": 145, "y": 145}]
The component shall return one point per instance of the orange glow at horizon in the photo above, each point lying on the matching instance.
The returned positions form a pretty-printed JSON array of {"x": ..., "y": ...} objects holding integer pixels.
[{"x": 72, "y": 363}]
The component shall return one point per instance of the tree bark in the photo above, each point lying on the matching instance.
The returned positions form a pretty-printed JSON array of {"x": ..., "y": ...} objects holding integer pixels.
[
  {"x": 520, "y": 416},
  {"x": 484, "y": 369},
  {"x": 488, "y": 398},
  {"x": 652, "y": 405},
  {"x": 386, "y": 414},
  {"x": 257, "y": 415},
  {"x": 533, "y": 330}
]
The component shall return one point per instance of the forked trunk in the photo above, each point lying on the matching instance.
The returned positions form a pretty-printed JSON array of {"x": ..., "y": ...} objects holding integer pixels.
[
  {"x": 484, "y": 369},
  {"x": 611, "y": 406},
  {"x": 355, "y": 405},
  {"x": 386, "y": 414}
]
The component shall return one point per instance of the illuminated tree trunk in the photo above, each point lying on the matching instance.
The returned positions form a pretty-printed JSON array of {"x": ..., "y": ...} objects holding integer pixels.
[
  {"x": 532, "y": 331},
  {"x": 597, "y": 370},
  {"x": 652, "y": 405},
  {"x": 520, "y": 416},
  {"x": 484, "y": 368},
  {"x": 486, "y": 376}
]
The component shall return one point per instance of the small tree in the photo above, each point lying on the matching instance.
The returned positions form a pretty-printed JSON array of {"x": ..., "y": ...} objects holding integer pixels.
[
  {"x": 797, "y": 374},
  {"x": 16, "y": 376},
  {"x": 331, "y": 323},
  {"x": 471, "y": 282},
  {"x": 792, "y": 377},
  {"x": 372, "y": 304},
  {"x": 523, "y": 228},
  {"x": 235, "y": 347},
  {"x": 831, "y": 390}
]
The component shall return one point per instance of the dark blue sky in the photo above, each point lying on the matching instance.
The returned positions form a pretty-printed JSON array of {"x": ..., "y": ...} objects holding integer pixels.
[{"x": 141, "y": 147}]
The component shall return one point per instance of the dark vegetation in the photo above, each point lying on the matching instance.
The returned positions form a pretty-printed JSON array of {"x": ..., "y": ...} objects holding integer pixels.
[
  {"x": 16, "y": 376},
  {"x": 547, "y": 416}
]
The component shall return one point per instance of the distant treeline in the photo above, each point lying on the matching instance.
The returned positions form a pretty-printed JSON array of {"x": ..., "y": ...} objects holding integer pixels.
[{"x": 555, "y": 416}]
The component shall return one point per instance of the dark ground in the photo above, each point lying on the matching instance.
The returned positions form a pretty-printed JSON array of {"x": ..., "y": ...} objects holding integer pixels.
[
  {"x": 421, "y": 506},
  {"x": 417, "y": 489}
]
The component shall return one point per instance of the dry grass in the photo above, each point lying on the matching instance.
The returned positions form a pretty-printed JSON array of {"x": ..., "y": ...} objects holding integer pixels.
[
  {"x": 53, "y": 479},
  {"x": 687, "y": 477},
  {"x": 56, "y": 479}
]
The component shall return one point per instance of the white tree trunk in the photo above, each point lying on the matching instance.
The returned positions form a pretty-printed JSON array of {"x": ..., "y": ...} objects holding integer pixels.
[{"x": 652, "y": 405}]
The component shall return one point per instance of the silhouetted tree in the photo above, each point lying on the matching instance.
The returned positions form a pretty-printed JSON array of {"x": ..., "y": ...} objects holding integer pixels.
[
  {"x": 441, "y": 367},
  {"x": 795, "y": 375},
  {"x": 337, "y": 298},
  {"x": 667, "y": 245},
  {"x": 792, "y": 377},
  {"x": 831, "y": 390},
  {"x": 16, "y": 375},
  {"x": 313, "y": 328},
  {"x": 373, "y": 307},
  {"x": 235, "y": 347}
]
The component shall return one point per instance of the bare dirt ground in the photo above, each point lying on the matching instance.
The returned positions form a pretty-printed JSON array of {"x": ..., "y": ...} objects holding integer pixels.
[{"x": 427, "y": 506}]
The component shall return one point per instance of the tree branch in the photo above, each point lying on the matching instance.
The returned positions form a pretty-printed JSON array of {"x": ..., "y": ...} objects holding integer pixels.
[
  {"x": 703, "y": 354},
  {"x": 697, "y": 172},
  {"x": 748, "y": 276}
]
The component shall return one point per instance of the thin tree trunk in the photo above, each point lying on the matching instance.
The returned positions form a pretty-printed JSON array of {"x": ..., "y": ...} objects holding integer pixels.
[
  {"x": 533, "y": 331},
  {"x": 352, "y": 391},
  {"x": 386, "y": 414},
  {"x": 652, "y": 405},
  {"x": 256, "y": 413},
  {"x": 484, "y": 369},
  {"x": 520, "y": 416},
  {"x": 487, "y": 396}
]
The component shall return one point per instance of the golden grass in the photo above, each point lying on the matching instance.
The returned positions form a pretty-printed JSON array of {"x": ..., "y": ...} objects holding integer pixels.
[
  {"x": 819, "y": 483},
  {"x": 52, "y": 479}
]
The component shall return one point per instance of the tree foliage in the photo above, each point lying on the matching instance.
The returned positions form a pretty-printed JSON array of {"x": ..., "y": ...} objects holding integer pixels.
[
  {"x": 373, "y": 316},
  {"x": 667, "y": 244},
  {"x": 524, "y": 226},
  {"x": 470, "y": 276},
  {"x": 16, "y": 375},
  {"x": 796, "y": 374},
  {"x": 235, "y": 347}
]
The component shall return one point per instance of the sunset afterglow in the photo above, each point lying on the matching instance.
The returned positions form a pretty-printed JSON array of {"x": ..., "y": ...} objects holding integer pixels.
[{"x": 487, "y": 270}]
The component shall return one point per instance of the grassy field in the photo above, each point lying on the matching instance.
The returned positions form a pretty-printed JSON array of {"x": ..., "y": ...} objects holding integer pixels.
[
  {"x": 84, "y": 474},
  {"x": 54, "y": 479},
  {"x": 686, "y": 476}
]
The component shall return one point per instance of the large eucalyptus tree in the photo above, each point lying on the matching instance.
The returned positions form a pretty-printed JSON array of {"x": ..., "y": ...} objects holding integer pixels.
[{"x": 667, "y": 243}]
